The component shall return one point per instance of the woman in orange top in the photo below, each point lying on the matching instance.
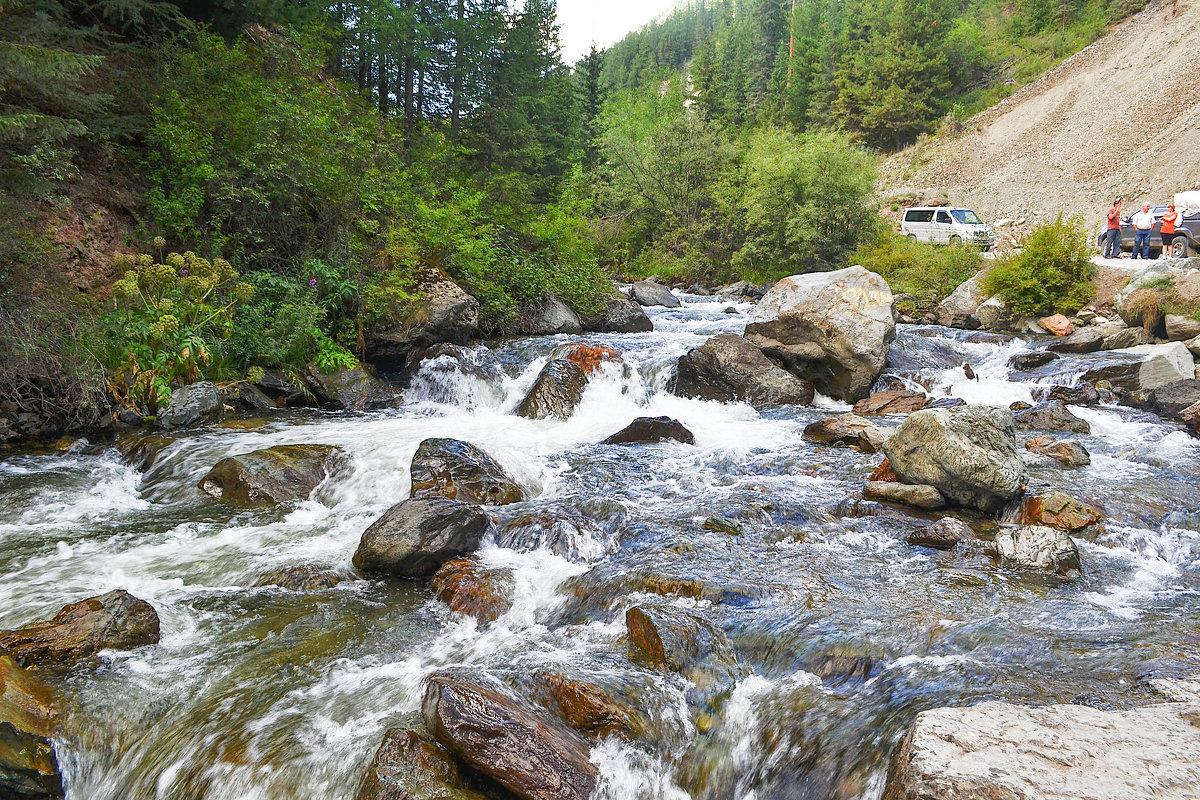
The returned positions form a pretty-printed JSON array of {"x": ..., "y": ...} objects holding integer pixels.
[{"x": 1168, "y": 229}]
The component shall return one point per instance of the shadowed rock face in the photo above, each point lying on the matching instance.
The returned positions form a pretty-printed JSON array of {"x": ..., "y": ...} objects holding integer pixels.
[
  {"x": 409, "y": 767},
  {"x": 1005, "y": 751},
  {"x": 620, "y": 315},
  {"x": 113, "y": 621},
  {"x": 273, "y": 475},
  {"x": 648, "y": 293},
  {"x": 526, "y": 751},
  {"x": 1052, "y": 415},
  {"x": 832, "y": 328},
  {"x": 414, "y": 538},
  {"x": 969, "y": 454},
  {"x": 449, "y": 315},
  {"x": 28, "y": 764},
  {"x": 557, "y": 390},
  {"x": 190, "y": 404},
  {"x": 648, "y": 430},
  {"x": 728, "y": 369},
  {"x": 461, "y": 471},
  {"x": 350, "y": 389}
]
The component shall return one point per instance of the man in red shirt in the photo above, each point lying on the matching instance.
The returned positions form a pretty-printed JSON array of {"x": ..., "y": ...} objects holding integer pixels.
[{"x": 1112, "y": 239}]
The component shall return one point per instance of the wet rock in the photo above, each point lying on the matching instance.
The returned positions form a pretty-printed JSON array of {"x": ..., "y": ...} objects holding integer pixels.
[
  {"x": 671, "y": 639},
  {"x": 28, "y": 764},
  {"x": 532, "y": 755},
  {"x": 414, "y": 538},
  {"x": 197, "y": 402},
  {"x": 281, "y": 390},
  {"x": 1019, "y": 405},
  {"x": 842, "y": 665},
  {"x": 591, "y": 357},
  {"x": 1056, "y": 324},
  {"x": 557, "y": 390},
  {"x": 719, "y": 524},
  {"x": 727, "y": 368},
  {"x": 969, "y": 454},
  {"x": 1126, "y": 338},
  {"x": 1067, "y": 452},
  {"x": 141, "y": 451},
  {"x": 79, "y": 631},
  {"x": 944, "y": 534},
  {"x": 741, "y": 289},
  {"x": 620, "y": 315},
  {"x": 912, "y": 353},
  {"x": 460, "y": 470},
  {"x": 832, "y": 328},
  {"x": 1051, "y": 416},
  {"x": 350, "y": 389},
  {"x": 571, "y": 537},
  {"x": 1180, "y": 328},
  {"x": 1059, "y": 510},
  {"x": 248, "y": 396},
  {"x": 846, "y": 430},
  {"x": 1033, "y": 359},
  {"x": 884, "y": 472},
  {"x": 960, "y": 305},
  {"x": 925, "y": 497},
  {"x": 890, "y": 402},
  {"x": 1169, "y": 400},
  {"x": 860, "y": 509},
  {"x": 585, "y": 707},
  {"x": 648, "y": 430},
  {"x": 946, "y": 402},
  {"x": 1190, "y": 417},
  {"x": 300, "y": 579},
  {"x": 1083, "y": 394},
  {"x": 470, "y": 588},
  {"x": 1156, "y": 365},
  {"x": 1005, "y": 751},
  {"x": 1039, "y": 548},
  {"x": 271, "y": 476},
  {"x": 553, "y": 318},
  {"x": 699, "y": 290},
  {"x": 409, "y": 767},
  {"x": 448, "y": 314},
  {"x": 647, "y": 293},
  {"x": 1084, "y": 340}
]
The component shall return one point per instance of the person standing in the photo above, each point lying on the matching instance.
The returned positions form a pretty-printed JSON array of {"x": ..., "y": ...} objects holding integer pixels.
[
  {"x": 1167, "y": 229},
  {"x": 1112, "y": 238},
  {"x": 1143, "y": 222}
]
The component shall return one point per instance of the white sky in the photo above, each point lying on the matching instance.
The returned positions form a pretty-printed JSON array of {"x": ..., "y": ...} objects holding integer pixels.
[{"x": 605, "y": 23}]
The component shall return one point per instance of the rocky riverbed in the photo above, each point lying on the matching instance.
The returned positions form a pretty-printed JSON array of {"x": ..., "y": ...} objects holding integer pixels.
[{"x": 469, "y": 592}]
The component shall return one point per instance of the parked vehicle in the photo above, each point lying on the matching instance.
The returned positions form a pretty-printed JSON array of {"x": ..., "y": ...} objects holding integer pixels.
[
  {"x": 1187, "y": 229},
  {"x": 947, "y": 225}
]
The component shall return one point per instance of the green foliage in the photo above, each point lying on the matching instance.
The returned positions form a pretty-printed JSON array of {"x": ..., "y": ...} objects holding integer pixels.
[
  {"x": 927, "y": 272},
  {"x": 331, "y": 356},
  {"x": 170, "y": 323},
  {"x": 1052, "y": 272}
]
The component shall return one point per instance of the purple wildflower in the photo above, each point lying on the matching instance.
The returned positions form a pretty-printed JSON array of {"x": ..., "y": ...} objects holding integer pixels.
[
  {"x": 183, "y": 273},
  {"x": 312, "y": 282}
]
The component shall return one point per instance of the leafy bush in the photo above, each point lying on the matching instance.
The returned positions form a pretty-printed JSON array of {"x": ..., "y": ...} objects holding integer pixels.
[
  {"x": 926, "y": 271},
  {"x": 1051, "y": 273}
]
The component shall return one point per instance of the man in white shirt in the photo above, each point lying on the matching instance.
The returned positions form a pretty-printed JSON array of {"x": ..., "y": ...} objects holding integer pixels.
[{"x": 1143, "y": 222}]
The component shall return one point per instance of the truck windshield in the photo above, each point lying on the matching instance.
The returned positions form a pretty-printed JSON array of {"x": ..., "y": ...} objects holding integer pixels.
[{"x": 966, "y": 217}]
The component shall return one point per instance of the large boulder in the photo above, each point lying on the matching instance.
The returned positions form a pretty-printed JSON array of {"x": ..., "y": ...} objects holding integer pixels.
[
  {"x": 414, "y": 538},
  {"x": 674, "y": 640},
  {"x": 407, "y": 766},
  {"x": 1057, "y": 324},
  {"x": 1170, "y": 399},
  {"x": 351, "y": 389},
  {"x": 651, "y": 293},
  {"x": 1084, "y": 340},
  {"x": 553, "y": 317},
  {"x": 470, "y": 588},
  {"x": 1157, "y": 365},
  {"x": 649, "y": 430},
  {"x": 1181, "y": 328},
  {"x": 1126, "y": 338},
  {"x": 460, "y": 470},
  {"x": 846, "y": 430},
  {"x": 28, "y": 714},
  {"x": 196, "y": 402},
  {"x": 1005, "y": 751},
  {"x": 557, "y": 390},
  {"x": 1057, "y": 509},
  {"x": 619, "y": 315},
  {"x": 529, "y": 753},
  {"x": 273, "y": 475},
  {"x": 1052, "y": 415},
  {"x": 728, "y": 368},
  {"x": 446, "y": 314},
  {"x": 833, "y": 328},
  {"x": 1040, "y": 548},
  {"x": 968, "y": 453},
  {"x": 959, "y": 306},
  {"x": 79, "y": 631},
  {"x": 992, "y": 312}
]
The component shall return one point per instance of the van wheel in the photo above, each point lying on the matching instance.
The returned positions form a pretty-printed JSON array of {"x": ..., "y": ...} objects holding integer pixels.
[
  {"x": 912, "y": 237},
  {"x": 955, "y": 241}
]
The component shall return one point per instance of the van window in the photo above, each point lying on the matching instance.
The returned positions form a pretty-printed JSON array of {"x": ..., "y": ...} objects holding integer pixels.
[
  {"x": 919, "y": 215},
  {"x": 943, "y": 217},
  {"x": 966, "y": 217}
]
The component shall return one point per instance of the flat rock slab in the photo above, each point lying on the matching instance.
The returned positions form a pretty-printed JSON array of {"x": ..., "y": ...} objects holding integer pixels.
[{"x": 1003, "y": 751}]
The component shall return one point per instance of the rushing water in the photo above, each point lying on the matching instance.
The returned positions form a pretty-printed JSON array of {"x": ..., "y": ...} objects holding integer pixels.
[{"x": 265, "y": 693}]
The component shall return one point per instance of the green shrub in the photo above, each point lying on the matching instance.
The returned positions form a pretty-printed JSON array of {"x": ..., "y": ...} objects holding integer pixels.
[
  {"x": 928, "y": 272},
  {"x": 1051, "y": 273}
]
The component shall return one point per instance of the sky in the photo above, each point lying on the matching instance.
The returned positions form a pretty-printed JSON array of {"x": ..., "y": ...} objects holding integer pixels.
[{"x": 605, "y": 23}]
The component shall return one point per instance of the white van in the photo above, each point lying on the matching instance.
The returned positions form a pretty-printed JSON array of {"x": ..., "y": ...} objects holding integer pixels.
[{"x": 947, "y": 225}]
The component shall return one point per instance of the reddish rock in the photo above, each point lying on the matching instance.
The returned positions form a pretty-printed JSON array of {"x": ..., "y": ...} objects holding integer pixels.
[
  {"x": 896, "y": 401},
  {"x": 590, "y": 357},
  {"x": 114, "y": 621},
  {"x": 28, "y": 717},
  {"x": 1059, "y": 510},
  {"x": 407, "y": 767},
  {"x": 1057, "y": 324},
  {"x": 469, "y": 588},
  {"x": 584, "y": 707},
  {"x": 1190, "y": 417},
  {"x": 884, "y": 473}
]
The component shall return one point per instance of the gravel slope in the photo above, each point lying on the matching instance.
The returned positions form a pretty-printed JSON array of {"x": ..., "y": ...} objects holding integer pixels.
[{"x": 1119, "y": 118}]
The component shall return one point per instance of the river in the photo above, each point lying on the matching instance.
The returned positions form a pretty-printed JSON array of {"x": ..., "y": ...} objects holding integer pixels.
[{"x": 265, "y": 693}]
